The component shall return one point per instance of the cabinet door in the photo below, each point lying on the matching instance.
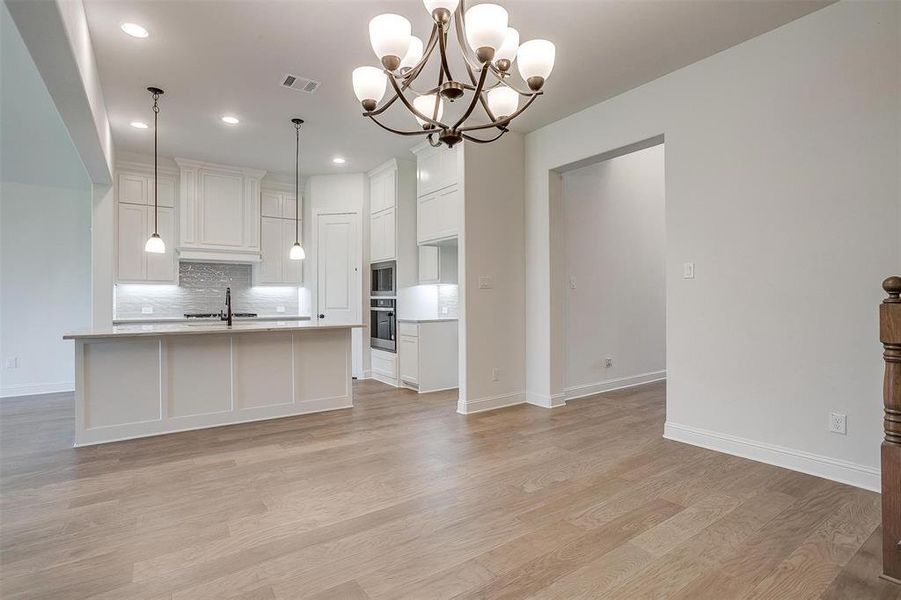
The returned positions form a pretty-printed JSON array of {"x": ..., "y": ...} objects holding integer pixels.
[
  {"x": 161, "y": 267},
  {"x": 222, "y": 213},
  {"x": 428, "y": 264},
  {"x": 133, "y": 188},
  {"x": 271, "y": 204},
  {"x": 377, "y": 201},
  {"x": 292, "y": 270},
  {"x": 448, "y": 212},
  {"x": 428, "y": 172},
  {"x": 389, "y": 189},
  {"x": 272, "y": 249},
  {"x": 427, "y": 218},
  {"x": 382, "y": 232},
  {"x": 132, "y": 234},
  {"x": 408, "y": 355},
  {"x": 289, "y": 207}
]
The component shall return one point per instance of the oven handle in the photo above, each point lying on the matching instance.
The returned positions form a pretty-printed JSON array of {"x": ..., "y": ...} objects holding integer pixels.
[{"x": 381, "y": 309}]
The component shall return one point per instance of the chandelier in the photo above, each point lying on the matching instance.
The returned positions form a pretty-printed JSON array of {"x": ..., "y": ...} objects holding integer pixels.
[{"x": 492, "y": 49}]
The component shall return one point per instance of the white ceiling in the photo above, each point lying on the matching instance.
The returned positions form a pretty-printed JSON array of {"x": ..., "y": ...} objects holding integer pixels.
[{"x": 229, "y": 57}]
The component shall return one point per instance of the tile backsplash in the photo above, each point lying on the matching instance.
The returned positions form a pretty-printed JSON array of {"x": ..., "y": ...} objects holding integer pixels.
[{"x": 201, "y": 288}]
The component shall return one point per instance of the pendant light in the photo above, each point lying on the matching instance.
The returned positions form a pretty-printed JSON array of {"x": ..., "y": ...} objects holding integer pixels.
[
  {"x": 297, "y": 252},
  {"x": 155, "y": 244}
]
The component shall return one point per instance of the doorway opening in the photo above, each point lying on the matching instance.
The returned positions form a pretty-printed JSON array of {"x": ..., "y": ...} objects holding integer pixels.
[{"x": 614, "y": 253}]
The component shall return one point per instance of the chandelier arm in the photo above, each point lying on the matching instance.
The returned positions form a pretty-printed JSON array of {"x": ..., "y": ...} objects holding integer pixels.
[
  {"x": 502, "y": 122},
  {"x": 442, "y": 49},
  {"x": 413, "y": 73},
  {"x": 412, "y": 108},
  {"x": 472, "y": 105},
  {"x": 428, "y": 132},
  {"x": 488, "y": 141},
  {"x": 381, "y": 109},
  {"x": 461, "y": 37}
]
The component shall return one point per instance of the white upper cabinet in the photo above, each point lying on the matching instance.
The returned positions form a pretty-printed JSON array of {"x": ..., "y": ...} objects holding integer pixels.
[
  {"x": 383, "y": 209},
  {"x": 438, "y": 215},
  {"x": 277, "y": 204},
  {"x": 383, "y": 190},
  {"x": 436, "y": 168},
  {"x": 219, "y": 212},
  {"x": 276, "y": 239},
  {"x": 134, "y": 224}
]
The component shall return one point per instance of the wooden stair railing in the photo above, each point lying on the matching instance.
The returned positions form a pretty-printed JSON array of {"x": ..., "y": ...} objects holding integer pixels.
[{"x": 890, "y": 336}]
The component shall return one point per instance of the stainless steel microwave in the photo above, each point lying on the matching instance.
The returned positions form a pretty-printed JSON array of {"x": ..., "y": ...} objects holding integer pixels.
[{"x": 384, "y": 276}]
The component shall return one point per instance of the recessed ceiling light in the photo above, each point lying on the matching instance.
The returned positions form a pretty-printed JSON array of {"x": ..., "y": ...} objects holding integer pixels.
[
  {"x": 230, "y": 120},
  {"x": 338, "y": 160},
  {"x": 138, "y": 125},
  {"x": 135, "y": 30}
]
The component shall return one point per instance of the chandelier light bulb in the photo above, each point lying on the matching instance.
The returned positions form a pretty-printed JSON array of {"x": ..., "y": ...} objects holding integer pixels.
[
  {"x": 486, "y": 28},
  {"x": 507, "y": 51},
  {"x": 389, "y": 35},
  {"x": 503, "y": 101},
  {"x": 426, "y": 105},
  {"x": 297, "y": 252},
  {"x": 536, "y": 61},
  {"x": 413, "y": 55},
  {"x": 155, "y": 245},
  {"x": 369, "y": 86}
]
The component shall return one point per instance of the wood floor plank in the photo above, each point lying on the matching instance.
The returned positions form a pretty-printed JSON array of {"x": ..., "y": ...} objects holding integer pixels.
[{"x": 401, "y": 497}]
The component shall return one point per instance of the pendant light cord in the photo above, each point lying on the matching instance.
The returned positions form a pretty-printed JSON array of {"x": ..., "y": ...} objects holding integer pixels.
[
  {"x": 297, "y": 184},
  {"x": 156, "y": 114}
]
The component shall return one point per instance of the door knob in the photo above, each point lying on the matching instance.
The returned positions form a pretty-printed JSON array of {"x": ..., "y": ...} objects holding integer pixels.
[{"x": 321, "y": 316}]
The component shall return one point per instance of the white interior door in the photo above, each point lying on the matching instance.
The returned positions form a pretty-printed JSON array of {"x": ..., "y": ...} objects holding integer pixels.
[{"x": 338, "y": 261}]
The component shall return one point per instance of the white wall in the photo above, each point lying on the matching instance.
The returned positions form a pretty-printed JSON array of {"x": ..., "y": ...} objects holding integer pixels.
[
  {"x": 782, "y": 160},
  {"x": 45, "y": 220},
  {"x": 615, "y": 253},
  {"x": 492, "y": 320}
]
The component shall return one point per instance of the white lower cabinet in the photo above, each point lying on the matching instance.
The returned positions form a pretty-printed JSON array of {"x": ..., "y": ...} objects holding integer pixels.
[
  {"x": 135, "y": 225},
  {"x": 276, "y": 239},
  {"x": 427, "y": 353},
  {"x": 384, "y": 366},
  {"x": 408, "y": 355}
]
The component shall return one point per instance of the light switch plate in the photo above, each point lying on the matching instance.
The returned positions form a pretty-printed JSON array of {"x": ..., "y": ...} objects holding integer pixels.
[
  {"x": 688, "y": 270},
  {"x": 486, "y": 282}
]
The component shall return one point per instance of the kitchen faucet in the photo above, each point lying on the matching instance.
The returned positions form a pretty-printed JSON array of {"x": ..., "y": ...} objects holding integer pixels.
[{"x": 228, "y": 307}]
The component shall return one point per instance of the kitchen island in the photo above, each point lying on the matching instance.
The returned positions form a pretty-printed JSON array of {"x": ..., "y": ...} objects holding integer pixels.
[{"x": 142, "y": 380}]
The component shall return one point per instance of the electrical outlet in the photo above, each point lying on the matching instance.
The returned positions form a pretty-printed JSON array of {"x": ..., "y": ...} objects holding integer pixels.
[
  {"x": 608, "y": 362},
  {"x": 688, "y": 270},
  {"x": 495, "y": 374},
  {"x": 572, "y": 283},
  {"x": 146, "y": 310},
  {"x": 279, "y": 309},
  {"x": 486, "y": 282},
  {"x": 12, "y": 362},
  {"x": 838, "y": 423},
  {"x": 443, "y": 310}
]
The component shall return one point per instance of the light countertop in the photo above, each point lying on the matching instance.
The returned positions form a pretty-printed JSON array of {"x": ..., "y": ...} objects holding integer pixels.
[
  {"x": 439, "y": 320},
  {"x": 200, "y": 327}
]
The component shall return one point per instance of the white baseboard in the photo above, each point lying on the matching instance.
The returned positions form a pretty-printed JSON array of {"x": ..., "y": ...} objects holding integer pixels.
[
  {"x": 555, "y": 401},
  {"x": 33, "y": 389},
  {"x": 467, "y": 407},
  {"x": 383, "y": 378},
  {"x": 842, "y": 471},
  {"x": 580, "y": 391}
]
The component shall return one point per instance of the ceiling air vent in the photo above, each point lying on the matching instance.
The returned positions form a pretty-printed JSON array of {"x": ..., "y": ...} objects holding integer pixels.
[{"x": 301, "y": 84}]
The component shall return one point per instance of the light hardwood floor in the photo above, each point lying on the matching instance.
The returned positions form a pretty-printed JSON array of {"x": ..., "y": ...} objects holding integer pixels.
[{"x": 401, "y": 497}]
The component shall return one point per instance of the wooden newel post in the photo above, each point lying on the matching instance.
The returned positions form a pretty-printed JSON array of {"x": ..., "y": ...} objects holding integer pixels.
[{"x": 890, "y": 335}]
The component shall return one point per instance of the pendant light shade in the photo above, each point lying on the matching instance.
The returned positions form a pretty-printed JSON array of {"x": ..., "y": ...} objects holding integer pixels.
[
  {"x": 155, "y": 244},
  {"x": 297, "y": 252},
  {"x": 426, "y": 105},
  {"x": 486, "y": 29},
  {"x": 389, "y": 35}
]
